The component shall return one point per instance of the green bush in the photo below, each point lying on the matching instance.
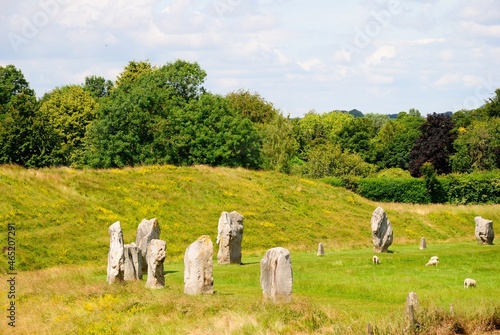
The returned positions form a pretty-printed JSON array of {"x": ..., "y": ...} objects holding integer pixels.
[
  {"x": 406, "y": 190},
  {"x": 475, "y": 188}
]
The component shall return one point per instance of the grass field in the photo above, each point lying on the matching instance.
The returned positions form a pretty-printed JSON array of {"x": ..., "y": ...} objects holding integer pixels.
[
  {"x": 62, "y": 216},
  {"x": 339, "y": 293}
]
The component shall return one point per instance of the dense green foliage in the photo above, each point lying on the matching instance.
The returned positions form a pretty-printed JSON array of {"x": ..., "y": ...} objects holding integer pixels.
[
  {"x": 405, "y": 190},
  {"x": 475, "y": 188},
  {"x": 164, "y": 115}
]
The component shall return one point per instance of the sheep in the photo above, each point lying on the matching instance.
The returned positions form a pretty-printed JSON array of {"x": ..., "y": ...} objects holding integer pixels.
[
  {"x": 376, "y": 260},
  {"x": 433, "y": 261},
  {"x": 469, "y": 283}
]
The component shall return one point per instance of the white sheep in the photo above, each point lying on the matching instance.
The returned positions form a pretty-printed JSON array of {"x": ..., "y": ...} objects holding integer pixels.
[
  {"x": 376, "y": 260},
  {"x": 469, "y": 283},
  {"x": 433, "y": 261}
]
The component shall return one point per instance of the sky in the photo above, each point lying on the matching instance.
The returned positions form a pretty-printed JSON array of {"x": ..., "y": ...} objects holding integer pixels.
[{"x": 378, "y": 56}]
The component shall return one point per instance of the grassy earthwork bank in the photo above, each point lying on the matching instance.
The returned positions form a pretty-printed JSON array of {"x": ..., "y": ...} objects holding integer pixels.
[{"x": 62, "y": 215}]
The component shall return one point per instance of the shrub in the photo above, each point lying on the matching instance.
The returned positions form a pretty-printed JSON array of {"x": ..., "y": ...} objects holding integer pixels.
[
  {"x": 475, "y": 188},
  {"x": 406, "y": 190}
]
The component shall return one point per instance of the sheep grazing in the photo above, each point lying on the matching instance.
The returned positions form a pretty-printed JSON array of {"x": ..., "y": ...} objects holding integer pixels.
[
  {"x": 433, "y": 261},
  {"x": 469, "y": 283},
  {"x": 376, "y": 260}
]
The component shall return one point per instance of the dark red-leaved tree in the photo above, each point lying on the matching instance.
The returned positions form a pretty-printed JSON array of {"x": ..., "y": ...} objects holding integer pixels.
[{"x": 435, "y": 145}]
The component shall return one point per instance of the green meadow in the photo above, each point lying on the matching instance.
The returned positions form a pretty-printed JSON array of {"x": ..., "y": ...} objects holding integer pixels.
[{"x": 62, "y": 216}]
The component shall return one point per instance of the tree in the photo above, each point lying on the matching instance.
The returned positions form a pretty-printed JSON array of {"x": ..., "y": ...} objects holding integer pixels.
[
  {"x": 66, "y": 112},
  {"x": 329, "y": 160},
  {"x": 136, "y": 122},
  {"x": 356, "y": 135},
  {"x": 20, "y": 140},
  {"x": 395, "y": 140},
  {"x": 314, "y": 129},
  {"x": 252, "y": 106},
  {"x": 477, "y": 147},
  {"x": 279, "y": 145},
  {"x": 208, "y": 131},
  {"x": 435, "y": 145},
  {"x": 98, "y": 87},
  {"x": 492, "y": 105},
  {"x": 132, "y": 72}
]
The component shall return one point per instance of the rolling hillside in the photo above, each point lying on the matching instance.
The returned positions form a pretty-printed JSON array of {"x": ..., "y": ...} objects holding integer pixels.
[{"x": 62, "y": 215}]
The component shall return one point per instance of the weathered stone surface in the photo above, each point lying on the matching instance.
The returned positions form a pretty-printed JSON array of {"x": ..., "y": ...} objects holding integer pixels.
[
  {"x": 423, "y": 244},
  {"x": 230, "y": 234},
  {"x": 115, "y": 254},
  {"x": 198, "y": 264},
  {"x": 321, "y": 250},
  {"x": 276, "y": 277},
  {"x": 133, "y": 262},
  {"x": 484, "y": 230},
  {"x": 146, "y": 231},
  {"x": 156, "y": 256},
  {"x": 382, "y": 233},
  {"x": 411, "y": 306}
]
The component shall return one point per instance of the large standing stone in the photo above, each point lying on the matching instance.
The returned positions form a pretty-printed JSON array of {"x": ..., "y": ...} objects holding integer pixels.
[
  {"x": 133, "y": 262},
  {"x": 276, "y": 275},
  {"x": 230, "y": 234},
  {"x": 156, "y": 257},
  {"x": 484, "y": 230},
  {"x": 198, "y": 264},
  {"x": 115, "y": 254},
  {"x": 381, "y": 230},
  {"x": 146, "y": 231}
]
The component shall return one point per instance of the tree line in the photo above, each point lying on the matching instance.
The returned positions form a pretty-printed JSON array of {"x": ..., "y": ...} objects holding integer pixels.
[{"x": 163, "y": 115}]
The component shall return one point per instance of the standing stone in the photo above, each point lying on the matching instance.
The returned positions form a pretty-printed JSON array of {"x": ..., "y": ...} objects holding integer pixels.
[
  {"x": 198, "y": 264},
  {"x": 321, "y": 250},
  {"x": 381, "y": 230},
  {"x": 230, "y": 234},
  {"x": 276, "y": 275},
  {"x": 133, "y": 262},
  {"x": 423, "y": 244},
  {"x": 115, "y": 254},
  {"x": 484, "y": 230},
  {"x": 156, "y": 257},
  {"x": 146, "y": 231}
]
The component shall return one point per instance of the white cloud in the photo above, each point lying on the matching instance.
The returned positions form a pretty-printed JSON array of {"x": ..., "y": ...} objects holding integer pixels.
[
  {"x": 383, "y": 52},
  {"x": 481, "y": 30},
  {"x": 429, "y": 40},
  {"x": 446, "y": 55},
  {"x": 309, "y": 63},
  {"x": 447, "y": 79}
]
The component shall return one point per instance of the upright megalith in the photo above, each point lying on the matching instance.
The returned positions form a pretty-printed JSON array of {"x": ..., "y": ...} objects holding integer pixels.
[
  {"x": 423, "y": 244},
  {"x": 198, "y": 264},
  {"x": 133, "y": 262},
  {"x": 484, "y": 230},
  {"x": 155, "y": 257},
  {"x": 276, "y": 277},
  {"x": 115, "y": 255},
  {"x": 146, "y": 231},
  {"x": 321, "y": 250},
  {"x": 230, "y": 234},
  {"x": 381, "y": 230}
]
